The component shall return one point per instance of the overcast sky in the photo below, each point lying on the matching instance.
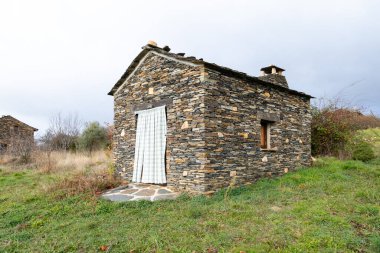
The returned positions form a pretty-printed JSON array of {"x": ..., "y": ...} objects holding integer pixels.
[{"x": 64, "y": 56}]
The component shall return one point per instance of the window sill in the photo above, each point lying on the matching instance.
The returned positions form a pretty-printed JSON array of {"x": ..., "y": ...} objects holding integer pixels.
[{"x": 269, "y": 149}]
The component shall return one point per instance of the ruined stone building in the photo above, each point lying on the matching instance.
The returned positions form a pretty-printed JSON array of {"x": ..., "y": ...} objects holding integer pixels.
[
  {"x": 14, "y": 133},
  {"x": 196, "y": 126}
]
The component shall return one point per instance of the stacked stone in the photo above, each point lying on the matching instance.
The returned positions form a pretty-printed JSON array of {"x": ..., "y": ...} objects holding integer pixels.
[
  {"x": 14, "y": 132},
  {"x": 160, "y": 81},
  {"x": 213, "y": 121},
  {"x": 235, "y": 109},
  {"x": 275, "y": 79}
]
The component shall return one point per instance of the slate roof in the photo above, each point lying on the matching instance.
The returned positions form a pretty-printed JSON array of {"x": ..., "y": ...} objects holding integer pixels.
[
  {"x": 17, "y": 121},
  {"x": 180, "y": 56}
]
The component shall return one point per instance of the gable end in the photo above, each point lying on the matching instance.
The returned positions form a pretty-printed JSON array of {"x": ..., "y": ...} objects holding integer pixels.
[{"x": 137, "y": 62}]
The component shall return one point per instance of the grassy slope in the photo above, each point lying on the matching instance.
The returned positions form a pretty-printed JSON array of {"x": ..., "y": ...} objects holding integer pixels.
[
  {"x": 331, "y": 207},
  {"x": 372, "y": 136}
]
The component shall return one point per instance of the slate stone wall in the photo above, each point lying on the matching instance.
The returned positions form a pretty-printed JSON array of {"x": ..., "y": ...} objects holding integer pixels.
[
  {"x": 213, "y": 125},
  {"x": 276, "y": 79},
  {"x": 234, "y": 109},
  {"x": 12, "y": 133},
  {"x": 161, "y": 81}
]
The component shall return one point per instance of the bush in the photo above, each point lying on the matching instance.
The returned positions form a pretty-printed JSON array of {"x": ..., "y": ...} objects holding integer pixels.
[
  {"x": 94, "y": 137},
  {"x": 334, "y": 126},
  {"x": 363, "y": 151},
  {"x": 331, "y": 130}
]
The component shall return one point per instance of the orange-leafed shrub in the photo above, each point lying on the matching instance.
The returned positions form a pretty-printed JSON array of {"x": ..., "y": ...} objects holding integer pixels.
[{"x": 333, "y": 128}]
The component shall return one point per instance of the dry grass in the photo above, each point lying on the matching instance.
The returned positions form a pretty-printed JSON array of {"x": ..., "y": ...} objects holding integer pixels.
[
  {"x": 93, "y": 182},
  {"x": 7, "y": 159},
  {"x": 72, "y": 173},
  {"x": 67, "y": 162}
]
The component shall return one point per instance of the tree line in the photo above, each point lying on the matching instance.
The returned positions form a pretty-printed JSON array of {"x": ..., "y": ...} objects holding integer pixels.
[
  {"x": 334, "y": 129},
  {"x": 69, "y": 133}
]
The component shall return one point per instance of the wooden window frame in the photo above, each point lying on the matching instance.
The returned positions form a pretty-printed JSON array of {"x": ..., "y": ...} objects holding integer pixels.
[{"x": 265, "y": 134}]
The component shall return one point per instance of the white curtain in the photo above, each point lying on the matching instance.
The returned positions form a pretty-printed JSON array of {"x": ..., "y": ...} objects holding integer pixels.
[{"x": 149, "y": 166}]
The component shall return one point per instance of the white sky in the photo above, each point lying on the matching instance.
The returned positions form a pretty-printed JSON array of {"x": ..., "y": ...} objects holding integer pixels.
[{"x": 64, "y": 56}]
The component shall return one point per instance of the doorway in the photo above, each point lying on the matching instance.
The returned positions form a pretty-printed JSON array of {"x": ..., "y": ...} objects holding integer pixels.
[{"x": 149, "y": 164}]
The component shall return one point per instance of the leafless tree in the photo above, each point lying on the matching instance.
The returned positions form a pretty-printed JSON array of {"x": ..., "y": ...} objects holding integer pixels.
[{"x": 63, "y": 132}]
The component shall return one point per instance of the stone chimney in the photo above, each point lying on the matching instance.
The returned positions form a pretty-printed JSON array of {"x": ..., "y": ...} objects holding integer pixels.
[
  {"x": 273, "y": 74},
  {"x": 152, "y": 43}
]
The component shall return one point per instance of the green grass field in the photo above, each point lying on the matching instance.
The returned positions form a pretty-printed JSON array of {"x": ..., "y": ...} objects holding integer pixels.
[
  {"x": 372, "y": 136},
  {"x": 331, "y": 207}
]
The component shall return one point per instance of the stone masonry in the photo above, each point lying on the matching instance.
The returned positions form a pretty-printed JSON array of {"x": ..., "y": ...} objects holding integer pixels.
[
  {"x": 14, "y": 133},
  {"x": 213, "y": 119}
]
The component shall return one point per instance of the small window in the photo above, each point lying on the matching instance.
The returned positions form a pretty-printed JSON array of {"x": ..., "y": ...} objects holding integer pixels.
[
  {"x": 264, "y": 142},
  {"x": 3, "y": 147},
  {"x": 16, "y": 130}
]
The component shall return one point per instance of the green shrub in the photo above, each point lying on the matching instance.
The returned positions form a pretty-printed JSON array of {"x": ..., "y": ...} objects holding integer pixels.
[
  {"x": 94, "y": 137},
  {"x": 363, "y": 151}
]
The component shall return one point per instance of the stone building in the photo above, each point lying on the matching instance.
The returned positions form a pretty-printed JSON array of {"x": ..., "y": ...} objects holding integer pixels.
[
  {"x": 196, "y": 126},
  {"x": 14, "y": 133}
]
